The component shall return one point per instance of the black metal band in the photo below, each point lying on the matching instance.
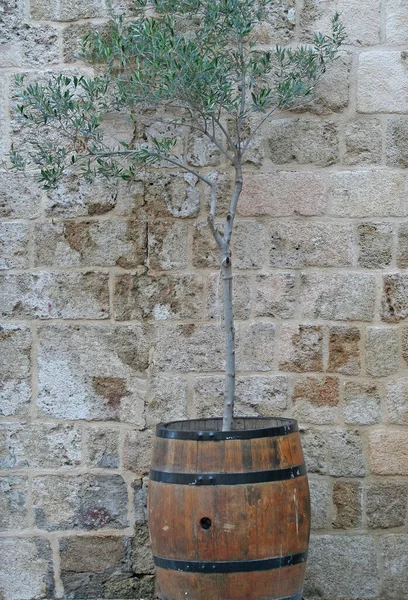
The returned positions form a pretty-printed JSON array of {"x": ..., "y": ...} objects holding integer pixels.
[
  {"x": 237, "y": 566},
  {"x": 164, "y": 430},
  {"x": 247, "y": 477}
]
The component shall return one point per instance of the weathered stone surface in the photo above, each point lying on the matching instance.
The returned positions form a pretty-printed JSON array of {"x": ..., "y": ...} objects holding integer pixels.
[
  {"x": 284, "y": 193},
  {"x": 93, "y": 373},
  {"x": 317, "y": 16},
  {"x": 248, "y": 245},
  {"x": 298, "y": 243},
  {"x": 140, "y": 488},
  {"x": 388, "y": 451},
  {"x": 66, "y": 10},
  {"x": 102, "y": 448},
  {"x": 363, "y": 141},
  {"x": 137, "y": 451},
  {"x": 163, "y": 297},
  {"x": 396, "y": 142},
  {"x": 319, "y": 498},
  {"x": 332, "y": 90},
  {"x": 55, "y": 295},
  {"x": 402, "y": 249},
  {"x": 90, "y": 243},
  {"x": 13, "y": 502},
  {"x": 14, "y": 240},
  {"x": 397, "y": 21},
  {"x": 275, "y": 295},
  {"x": 347, "y": 500},
  {"x": 303, "y": 141},
  {"x": 394, "y": 559},
  {"x": 255, "y": 346},
  {"x": 205, "y": 249},
  {"x": 405, "y": 344},
  {"x": 315, "y": 450},
  {"x": 167, "y": 399},
  {"x": 167, "y": 241},
  {"x": 371, "y": 193},
  {"x": 80, "y": 502},
  {"x": 15, "y": 370},
  {"x": 20, "y": 200},
  {"x": 396, "y": 397},
  {"x": 342, "y": 566},
  {"x": 346, "y": 457},
  {"x": 279, "y": 25},
  {"x": 201, "y": 152},
  {"x": 255, "y": 396},
  {"x": 383, "y": 70},
  {"x": 362, "y": 403},
  {"x": 72, "y": 36},
  {"x": 241, "y": 296},
  {"x": 375, "y": 241},
  {"x": 344, "y": 350},
  {"x": 301, "y": 348},
  {"x": 386, "y": 504},
  {"x": 382, "y": 351},
  {"x": 26, "y": 570},
  {"x": 315, "y": 400},
  {"x": 28, "y": 446},
  {"x": 394, "y": 301},
  {"x": 142, "y": 557},
  {"x": 167, "y": 194},
  {"x": 76, "y": 198},
  {"x": 337, "y": 296}
]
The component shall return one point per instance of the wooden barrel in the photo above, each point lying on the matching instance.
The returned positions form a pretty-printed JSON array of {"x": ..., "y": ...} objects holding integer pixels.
[{"x": 229, "y": 512}]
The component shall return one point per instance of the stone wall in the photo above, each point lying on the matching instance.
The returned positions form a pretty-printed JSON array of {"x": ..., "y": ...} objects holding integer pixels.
[{"x": 109, "y": 319}]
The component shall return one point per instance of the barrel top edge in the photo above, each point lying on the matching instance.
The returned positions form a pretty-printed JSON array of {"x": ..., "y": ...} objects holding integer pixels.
[{"x": 201, "y": 430}]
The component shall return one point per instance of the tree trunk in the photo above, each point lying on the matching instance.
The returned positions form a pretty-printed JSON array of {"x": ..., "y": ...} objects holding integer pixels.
[{"x": 226, "y": 269}]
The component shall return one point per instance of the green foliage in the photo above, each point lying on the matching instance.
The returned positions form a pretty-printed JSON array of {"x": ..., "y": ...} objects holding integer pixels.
[{"x": 196, "y": 61}]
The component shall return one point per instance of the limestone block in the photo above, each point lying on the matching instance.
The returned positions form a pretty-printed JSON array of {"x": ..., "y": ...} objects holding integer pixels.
[
  {"x": 402, "y": 249},
  {"x": 248, "y": 245},
  {"x": 205, "y": 249},
  {"x": 20, "y": 200},
  {"x": 201, "y": 152},
  {"x": 93, "y": 373},
  {"x": 55, "y": 295},
  {"x": 388, "y": 451},
  {"x": 13, "y": 502},
  {"x": 167, "y": 399},
  {"x": 394, "y": 561},
  {"x": 347, "y": 501},
  {"x": 255, "y": 346},
  {"x": 275, "y": 295},
  {"x": 397, "y": 21},
  {"x": 344, "y": 350},
  {"x": 319, "y": 498},
  {"x": 66, "y": 10},
  {"x": 102, "y": 448},
  {"x": 346, "y": 458},
  {"x": 279, "y": 25},
  {"x": 301, "y": 348},
  {"x": 140, "y": 488},
  {"x": 15, "y": 370},
  {"x": 315, "y": 400},
  {"x": 137, "y": 451},
  {"x": 394, "y": 301},
  {"x": 14, "y": 240},
  {"x": 75, "y": 197},
  {"x": 241, "y": 296},
  {"x": 362, "y": 403},
  {"x": 39, "y": 446},
  {"x": 167, "y": 241},
  {"x": 315, "y": 450},
  {"x": 338, "y": 296},
  {"x": 385, "y": 71},
  {"x": 386, "y": 504},
  {"x": 298, "y": 243},
  {"x": 165, "y": 195},
  {"x": 375, "y": 244},
  {"x": 396, "y": 142},
  {"x": 396, "y": 397},
  {"x": 382, "y": 351},
  {"x": 142, "y": 558},
  {"x": 363, "y": 141}
]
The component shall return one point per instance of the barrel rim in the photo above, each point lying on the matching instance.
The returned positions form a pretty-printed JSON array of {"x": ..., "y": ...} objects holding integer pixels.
[{"x": 171, "y": 431}]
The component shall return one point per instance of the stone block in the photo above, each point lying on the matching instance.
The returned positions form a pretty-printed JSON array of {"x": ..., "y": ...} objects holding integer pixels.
[
  {"x": 315, "y": 450},
  {"x": 347, "y": 501},
  {"x": 344, "y": 350},
  {"x": 386, "y": 504},
  {"x": 342, "y": 566},
  {"x": 388, "y": 451},
  {"x": 167, "y": 399},
  {"x": 26, "y": 570},
  {"x": 140, "y": 488},
  {"x": 248, "y": 245},
  {"x": 255, "y": 348},
  {"x": 362, "y": 403},
  {"x": 66, "y": 10},
  {"x": 319, "y": 498},
  {"x": 370, "y": 193},
  {"x": 397, "y": 21},
  {"x": 205, "y": 249},
  {"x": 303, "y": 141},
  {"x": 402, "y": 248},
  {"x": 14, "y": 240},
  {"x": 241, "y": 296},
  {"x": 22, "y": 200},
  {"x": 93, "y": 373},
  {"x": 15, "y": 370},
  {"x": 405, "y": 344},
  {"x": 55, "y": 295},
  {"x": 275, "y": 295},
  {"x": 13, "y": 502},
  {"x": 363, "y": 142},
  {"x": 25, "y": 45},
  {"x": 283, "y": 194},
  {"x": 32, "y": 446},
  {"x": 223, "y": 189},
  {"x": 346, "y": 457},
  {"x": 87, "y": 502},
  {"x": 75, "y": 197},
  {"x": 167, "y": 242},
  {"x": 394, "y": 301},
  {"x": 375, "y": 244},
  {"x": 137, "y": 451},
  {"x": 301, "y": 348},
  {"x": 394, "y": 561},
  {"x": 166, "y": 194},
  {"x": 108, "y": 243},
  {"x": 338, "y": 296},
  {"x": 382, "y": 351},
  {"x": 396, "y": 398},
  {"x": 317, "y": 16},
  {"x": 332, "y": 90},
  {"x": 296, "y": 244},
  {"x": 201, "y": 152},
  {"x": 396, "y": 142},
  {"x": 72, "y": 36},
  {"x": 160, "y": 298},
  {"x": 102, "y": 448},
  {"x": 316, "y": 399},
  {"x": 384, "y": 70},
  {"x": 279, "y": 24},
  {"x": 142, "y": 557}
]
